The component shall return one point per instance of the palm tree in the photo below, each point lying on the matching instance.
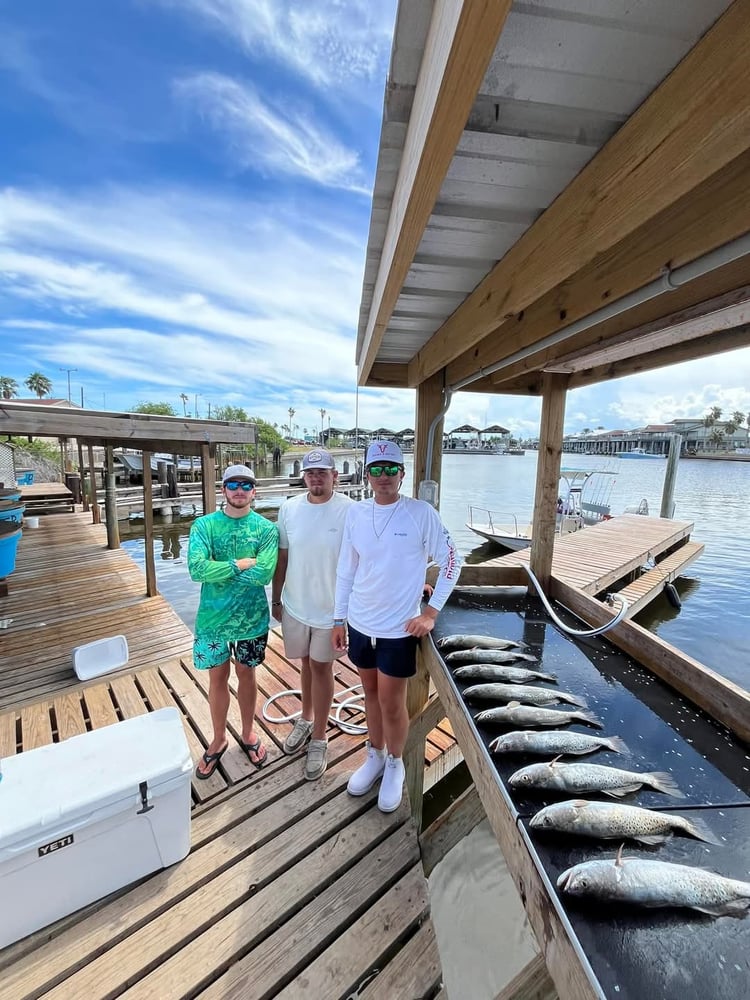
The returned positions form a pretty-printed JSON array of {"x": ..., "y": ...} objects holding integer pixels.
[
  {"x": 738, "y": 418},
  {"x": 8, "y": 387},
  {"x": 39, "y": 384},
  {"x": 717, "y": 436},
  {"x": 184, "y": 398}
]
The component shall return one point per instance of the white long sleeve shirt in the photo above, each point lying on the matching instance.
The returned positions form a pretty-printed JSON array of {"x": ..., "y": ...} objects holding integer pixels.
[{"x": 384, "y": 554}]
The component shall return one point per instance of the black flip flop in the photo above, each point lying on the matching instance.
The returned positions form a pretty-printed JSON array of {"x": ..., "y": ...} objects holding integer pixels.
[
  {"x": 212, "y": 760},
  {"x": 255, "y": 748}
]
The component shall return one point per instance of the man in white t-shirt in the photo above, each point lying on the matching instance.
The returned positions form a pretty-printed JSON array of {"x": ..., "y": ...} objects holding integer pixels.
[
  {"x": 310, "y": 531},
  {"x": 388, "y": 543}
]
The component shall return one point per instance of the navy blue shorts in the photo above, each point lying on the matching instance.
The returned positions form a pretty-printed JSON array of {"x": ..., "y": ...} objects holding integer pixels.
[{"x": 393, "y": 657}]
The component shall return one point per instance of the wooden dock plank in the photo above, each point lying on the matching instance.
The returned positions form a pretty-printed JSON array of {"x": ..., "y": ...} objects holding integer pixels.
[
  {"x": 313, "y": 921},
  {"x": 7, "y": 734},
  {"x": 363, "y": 946},
  {"x": 99, "y": 706},
  {"x": 642, "y": 591},
  {"x": 69, "y": 715},
  {"x": 129, "y": 699},
  {"x": 36, "y": 728},
  {"x": 414, "y": 972}
]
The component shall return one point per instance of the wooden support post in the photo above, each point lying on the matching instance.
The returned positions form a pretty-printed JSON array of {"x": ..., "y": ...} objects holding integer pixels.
[
  {"x": 547, "y": 477},
  {"x": 62, "y": 442},
  {"x": 670, "y": 477},
  {"x": 84, "y": 491},
  {"x": 208, "y": 477},
  {"x": 429, "y": 404},
  {"x": 95, "y": 512},
  {"x": 110, "y": 502},
  {"x": 148, "y": 522},
  {"x": 161, "y": 468},
  {"x": 417, "y": 693}
]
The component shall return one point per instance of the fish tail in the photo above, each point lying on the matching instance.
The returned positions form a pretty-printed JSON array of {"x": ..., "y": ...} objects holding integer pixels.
[
  {"x": 552, "y": 678},
  {"x": 618, "y": 744},
  {"x": 699, "y": 829},
  {"x": 572, "y": 699},
  {"x": 662, "y": 781},
  {"x": 588, "y": 717}
]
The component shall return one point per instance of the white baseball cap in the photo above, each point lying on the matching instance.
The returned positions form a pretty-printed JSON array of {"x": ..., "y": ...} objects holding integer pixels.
[
  {"x": 384, "y": 451},
  {"x": 238, "y": 472}
]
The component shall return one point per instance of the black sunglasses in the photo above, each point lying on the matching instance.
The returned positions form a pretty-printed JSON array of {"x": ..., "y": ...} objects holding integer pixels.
[
  {"x": 389, "y": 470},
  {"x": 234, "y": 484}
]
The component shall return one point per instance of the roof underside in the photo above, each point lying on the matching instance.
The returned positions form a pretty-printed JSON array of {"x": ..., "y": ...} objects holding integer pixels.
[{"x": 569, "y": 171}]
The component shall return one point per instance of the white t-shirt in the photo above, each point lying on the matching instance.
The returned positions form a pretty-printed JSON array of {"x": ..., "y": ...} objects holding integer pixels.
[
  {"x": 381, "y": 570},
  {"x": 312, "y": 533}
]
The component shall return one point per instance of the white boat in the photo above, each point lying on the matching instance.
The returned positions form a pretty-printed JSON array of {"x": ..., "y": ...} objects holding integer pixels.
[
  {"x": 639, "y": 453},
  {"x": 583, "y": 500}
]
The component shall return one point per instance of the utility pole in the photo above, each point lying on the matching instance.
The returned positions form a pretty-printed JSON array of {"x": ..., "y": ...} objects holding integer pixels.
[
  {"x": 322, "y": 417},
  {"x": 68, "y": 370}
]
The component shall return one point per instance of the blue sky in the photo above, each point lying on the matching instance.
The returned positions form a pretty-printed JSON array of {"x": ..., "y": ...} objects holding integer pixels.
[{"x": 184, "y": 207}]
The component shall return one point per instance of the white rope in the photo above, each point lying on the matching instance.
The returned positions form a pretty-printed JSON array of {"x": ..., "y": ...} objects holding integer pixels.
[{"x": 355, "y": 702}]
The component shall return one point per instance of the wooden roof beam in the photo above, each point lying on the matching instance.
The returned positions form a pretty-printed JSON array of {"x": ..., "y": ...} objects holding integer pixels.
[
  {"x": 716, "y": 213},
  {"x": 696, "y": 122},
  {"x": 459, "y": 46}
]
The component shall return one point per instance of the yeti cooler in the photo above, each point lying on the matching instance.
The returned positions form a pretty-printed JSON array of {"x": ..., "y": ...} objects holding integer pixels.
[{"x": 84, "y": 817}]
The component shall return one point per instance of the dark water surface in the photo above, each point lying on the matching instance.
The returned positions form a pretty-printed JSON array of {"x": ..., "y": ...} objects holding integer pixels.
[{"x": 713, "y": 624}]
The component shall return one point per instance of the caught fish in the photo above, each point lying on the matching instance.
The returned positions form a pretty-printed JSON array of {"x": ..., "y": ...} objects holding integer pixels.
[
  {"x": 645, "y": 882},
  {"x": 516, "y": 714},
  {"x": 610, "y": 821},
  {"x": 476, "y": 642},
  {"x": 580, "y": 778},
  {"x": 562, "y": 743},
  {"x": 489, "y": 656},
  {"x": 523, "y": 694},
  {"x": 495, "y": 672}
]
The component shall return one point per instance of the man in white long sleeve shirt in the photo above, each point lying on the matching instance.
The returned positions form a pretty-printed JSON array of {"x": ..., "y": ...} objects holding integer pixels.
[{"x": 388, "y": 542}]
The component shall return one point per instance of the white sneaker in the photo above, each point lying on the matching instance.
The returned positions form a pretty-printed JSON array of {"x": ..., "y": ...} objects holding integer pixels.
[
  {"x": 365, "y": 776},
  {"x": 392, "y": 785}
]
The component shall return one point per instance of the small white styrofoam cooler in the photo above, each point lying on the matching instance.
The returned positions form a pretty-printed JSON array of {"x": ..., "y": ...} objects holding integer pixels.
[
  {"x": 84, "y": 817},
  {"x": 100, "y": 657}
]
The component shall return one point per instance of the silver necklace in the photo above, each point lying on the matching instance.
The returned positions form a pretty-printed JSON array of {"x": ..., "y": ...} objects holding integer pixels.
[{"x": 379, "y": 534}]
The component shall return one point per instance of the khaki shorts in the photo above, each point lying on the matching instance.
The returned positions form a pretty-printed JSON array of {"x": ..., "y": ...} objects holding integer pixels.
[{"x": 305, "y": 640}]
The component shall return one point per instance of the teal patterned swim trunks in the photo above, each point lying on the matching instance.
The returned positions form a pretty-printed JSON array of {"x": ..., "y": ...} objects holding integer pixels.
[{"x": 209, "y": 652}]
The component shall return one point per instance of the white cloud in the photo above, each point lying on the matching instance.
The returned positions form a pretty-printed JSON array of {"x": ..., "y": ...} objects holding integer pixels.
[
  {"x": 270, "y": 139},
  {"x": 327, "y": 41}
]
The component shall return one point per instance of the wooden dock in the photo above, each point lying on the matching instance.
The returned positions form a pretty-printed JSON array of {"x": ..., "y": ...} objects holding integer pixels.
[
  {"x": 603, "y": 556},
  {"x": 291, "y": 886},
  {"x": 46, "y": 498}
]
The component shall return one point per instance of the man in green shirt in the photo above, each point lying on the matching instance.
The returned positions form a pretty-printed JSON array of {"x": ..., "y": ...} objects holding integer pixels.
[{"x": 232, "y": 553}]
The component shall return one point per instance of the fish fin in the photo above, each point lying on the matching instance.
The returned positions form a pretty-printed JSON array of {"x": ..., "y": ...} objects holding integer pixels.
[
  {"x": 622, "y": 791},
  {"x": 555, "y": 760},
  {"x": 579, "y": 803},
  {"x": 618, "y": 860},
  {"x": 731, "y": 908},
  {"x": 663, "y": 781},
  {"x": 652, "y": 839},
  {"x": 528, "y": 657},
  {"x": 513, "y": 704},
  {"x": 618, "y": 744},
  {"x": 698, "y": 828},
  {"x": 552, "y": 678},
  {"x": 571, "y": 699},
  {"x": 588, "y": 717}
]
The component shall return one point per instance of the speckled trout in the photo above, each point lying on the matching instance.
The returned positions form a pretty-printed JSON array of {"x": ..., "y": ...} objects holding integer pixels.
[
  {"x": 516, "y": 714},
  {"x": 476, "y": 642},
  {"x": 558, "y": 742},
  {"x": 524, "y": 694},
  {"x": 579, "y": 778},
  {"x": 489, "y": 656},
  {"x": 644, "y": 882},
  {"x": 494, "y": 672},
  {"x": 610, "y": 821}
]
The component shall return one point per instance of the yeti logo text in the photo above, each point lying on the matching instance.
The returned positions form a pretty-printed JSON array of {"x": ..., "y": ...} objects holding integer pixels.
[{"x": 55, "y": 845}]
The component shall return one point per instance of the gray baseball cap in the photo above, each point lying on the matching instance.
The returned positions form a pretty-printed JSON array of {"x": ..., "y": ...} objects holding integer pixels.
[
  {"x": 238, "y": 472},
  {"x": 318, "y": 458}
]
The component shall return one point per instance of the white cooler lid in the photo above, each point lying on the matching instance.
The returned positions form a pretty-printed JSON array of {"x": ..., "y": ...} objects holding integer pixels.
[{"x": 68, "y": 780}]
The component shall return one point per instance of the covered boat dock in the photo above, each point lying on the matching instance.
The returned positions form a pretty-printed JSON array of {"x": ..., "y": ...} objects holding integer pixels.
[{"x": 563, "y": 198}]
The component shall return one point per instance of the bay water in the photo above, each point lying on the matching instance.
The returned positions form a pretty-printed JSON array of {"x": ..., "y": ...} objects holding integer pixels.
[{"x": 470, "y": 889}]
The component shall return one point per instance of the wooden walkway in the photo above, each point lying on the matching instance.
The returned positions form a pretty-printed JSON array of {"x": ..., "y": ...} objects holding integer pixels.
[
  {"x": 599, "y": 557},
  {"x": 292, "y": 888}
]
